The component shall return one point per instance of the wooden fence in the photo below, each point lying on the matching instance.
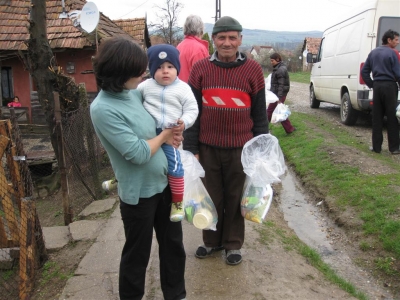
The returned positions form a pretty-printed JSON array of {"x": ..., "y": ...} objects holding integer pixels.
[{"x": 20, "y": 229}]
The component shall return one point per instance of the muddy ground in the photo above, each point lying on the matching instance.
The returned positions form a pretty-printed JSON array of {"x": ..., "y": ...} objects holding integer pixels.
[{"x": 270, "y": 269}]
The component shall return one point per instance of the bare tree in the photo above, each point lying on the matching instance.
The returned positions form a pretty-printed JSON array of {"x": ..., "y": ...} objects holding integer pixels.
[
  {"x": 47, "y": 75},
  {"x": 264, "y": 61},
  {"x": 40, "y": 57},
  {"x": 167, "y": 23}
]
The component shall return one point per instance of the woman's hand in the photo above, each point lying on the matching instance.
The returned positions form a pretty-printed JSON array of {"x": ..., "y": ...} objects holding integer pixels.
[
  {"x": 172, "y": 138},
  {"x": 177, "y": 141},
  {"x": 166, "y": 136}
]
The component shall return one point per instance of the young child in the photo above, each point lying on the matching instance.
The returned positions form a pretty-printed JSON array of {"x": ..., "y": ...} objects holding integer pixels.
[
  {"x": 14, "y": 103},
  {"x": 171, "y": 103}
]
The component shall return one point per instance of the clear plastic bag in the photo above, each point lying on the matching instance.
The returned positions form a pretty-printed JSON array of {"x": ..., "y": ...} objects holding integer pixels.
[
  {"x": 255, "y": 201},
  {"x": 268, "y": 82},
  {"x": 263, "y": 162},
  {"x": 398, "y": 112},
  {"x": 270, "y": 97},
  {"x": 199, "y": 208},
  {"x": 281, "y": 113}
]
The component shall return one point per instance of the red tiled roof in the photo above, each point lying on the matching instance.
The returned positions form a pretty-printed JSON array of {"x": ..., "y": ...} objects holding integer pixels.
[
  {"x": 137, "y": 28},
  {"x": 312, "y": 44},
  {"x": 61, "y": 33}
]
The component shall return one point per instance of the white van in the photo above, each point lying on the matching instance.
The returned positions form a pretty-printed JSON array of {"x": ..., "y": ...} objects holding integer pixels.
[{"x": 335, "y": 75}]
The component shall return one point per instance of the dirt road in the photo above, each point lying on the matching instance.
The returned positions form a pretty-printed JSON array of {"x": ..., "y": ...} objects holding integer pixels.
[
  {"x": 298, "y": 98},
  {"x": 269, "y": 269}
]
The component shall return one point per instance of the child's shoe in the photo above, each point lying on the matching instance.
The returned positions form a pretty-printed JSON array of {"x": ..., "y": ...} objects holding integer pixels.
[{"x": 177, "y": 212}]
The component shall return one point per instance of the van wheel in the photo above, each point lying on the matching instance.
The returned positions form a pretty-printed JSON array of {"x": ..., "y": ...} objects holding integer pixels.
[
  {"x": 348, "y": 114},
  {"x": 314, "y": 103}
]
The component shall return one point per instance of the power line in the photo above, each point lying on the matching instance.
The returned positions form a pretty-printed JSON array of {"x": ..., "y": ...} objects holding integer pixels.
[{"x": 134, "y": 9}]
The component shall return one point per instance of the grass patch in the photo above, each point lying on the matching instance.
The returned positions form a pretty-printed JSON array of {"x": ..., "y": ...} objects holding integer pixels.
[
  {"x": 52, "y": 270},
  {"x": 269, "y": 231},
  {"x": 372, "y": 197},
  {"x": 7, "y": 274},
  {"x": 302, "y": 77}
]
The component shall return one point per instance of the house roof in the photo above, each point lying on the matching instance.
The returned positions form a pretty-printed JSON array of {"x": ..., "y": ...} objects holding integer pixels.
[
  {"x": 61, "y": 33},
  {"x": 258, "y": 49},
  {"x": 137, "y": 28},
  {"x": 311, "y": 44}
]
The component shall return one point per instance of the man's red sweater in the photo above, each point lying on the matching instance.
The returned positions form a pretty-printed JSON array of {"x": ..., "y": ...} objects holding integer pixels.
[{"x": 232, "y": 107}]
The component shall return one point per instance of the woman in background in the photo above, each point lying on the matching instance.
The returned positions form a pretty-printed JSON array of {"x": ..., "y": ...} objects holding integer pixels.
[{"x": 192, "y": 48}]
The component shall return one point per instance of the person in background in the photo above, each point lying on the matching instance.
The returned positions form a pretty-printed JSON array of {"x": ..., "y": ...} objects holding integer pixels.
[
  {"x": 230, "y": 93},
  {"x": 397, "y": 53},
  {"x": 128, "y": 134},
  {"x": 280, "y": 86},
  {"x": 171, "y": 102},
  {"x": 14, "y": 103},
  {"x": 385, "y": 67},
  {"x": 192, "y": 48}
]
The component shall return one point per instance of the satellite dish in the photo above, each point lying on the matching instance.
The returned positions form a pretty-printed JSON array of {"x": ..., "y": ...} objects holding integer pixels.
[
  {"x": 89, "y": 17},
  {"x": 75, "y": 17},
  {"x": 305, "y": 53}
]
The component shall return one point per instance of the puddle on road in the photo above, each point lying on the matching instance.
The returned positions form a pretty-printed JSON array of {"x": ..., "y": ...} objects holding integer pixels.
[{"x": 311, "y": 226}]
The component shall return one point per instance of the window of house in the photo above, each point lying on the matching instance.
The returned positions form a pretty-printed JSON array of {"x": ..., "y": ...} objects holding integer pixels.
[{"x": 7, "y": 89}]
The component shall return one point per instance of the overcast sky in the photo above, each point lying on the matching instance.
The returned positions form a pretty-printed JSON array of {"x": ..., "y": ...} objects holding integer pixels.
[{"x": 276, "y": 15}]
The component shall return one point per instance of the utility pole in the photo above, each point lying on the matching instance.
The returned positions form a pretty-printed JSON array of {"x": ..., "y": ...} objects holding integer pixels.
[{"x": 217, "y": 10}]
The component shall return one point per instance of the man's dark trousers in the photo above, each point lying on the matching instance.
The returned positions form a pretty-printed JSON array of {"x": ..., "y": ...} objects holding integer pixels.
[
  {"x": 224, "y": 180},
  {"x": 385, "y": 102}
]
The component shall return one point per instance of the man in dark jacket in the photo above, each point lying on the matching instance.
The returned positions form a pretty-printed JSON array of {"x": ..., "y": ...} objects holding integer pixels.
[
  {"x": 385, "y": 67},
  {"x": 280, "y": 85}
]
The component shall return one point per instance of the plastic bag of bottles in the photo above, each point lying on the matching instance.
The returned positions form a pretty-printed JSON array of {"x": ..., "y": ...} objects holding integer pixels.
[
  {"x": 281, "y": 113},
  {"x": 199, "y": 209},
  {"x": 255, "y": 201},
  {"x": 263, "y": 162}
]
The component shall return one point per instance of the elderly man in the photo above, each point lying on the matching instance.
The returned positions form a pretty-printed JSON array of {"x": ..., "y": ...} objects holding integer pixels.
[
  {"x": 230, "y": 92},
  {"x": 384, "y": 64}
]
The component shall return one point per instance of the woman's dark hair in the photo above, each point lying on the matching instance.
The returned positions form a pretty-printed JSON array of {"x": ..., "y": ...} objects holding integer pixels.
[
  {"x": 390, "y": 34},
  {"x": 118, "y": 60},
  {"x": 276, "y": 56}
]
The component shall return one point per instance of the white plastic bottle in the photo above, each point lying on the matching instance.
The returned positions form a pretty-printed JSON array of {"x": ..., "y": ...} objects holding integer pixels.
[{"x": 110, "y": 185}]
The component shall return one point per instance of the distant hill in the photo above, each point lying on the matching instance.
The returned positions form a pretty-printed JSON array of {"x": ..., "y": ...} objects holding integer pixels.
[{"x": 281, "y": 39}]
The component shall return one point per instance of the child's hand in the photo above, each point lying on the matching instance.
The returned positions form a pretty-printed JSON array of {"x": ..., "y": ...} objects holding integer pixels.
[{"x": 181, "y": 124}]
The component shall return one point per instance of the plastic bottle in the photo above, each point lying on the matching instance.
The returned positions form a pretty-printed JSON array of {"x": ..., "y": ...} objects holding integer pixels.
[{"x": 110, "y": 185}]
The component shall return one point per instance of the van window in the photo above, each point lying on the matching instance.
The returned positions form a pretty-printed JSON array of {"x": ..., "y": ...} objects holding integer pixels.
[
  {"x": 350, "y": 38},
  {"x": 386, "y": 23},
  {"x": 330, "y": 41},
  {"x": 321, "y": 50}
]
